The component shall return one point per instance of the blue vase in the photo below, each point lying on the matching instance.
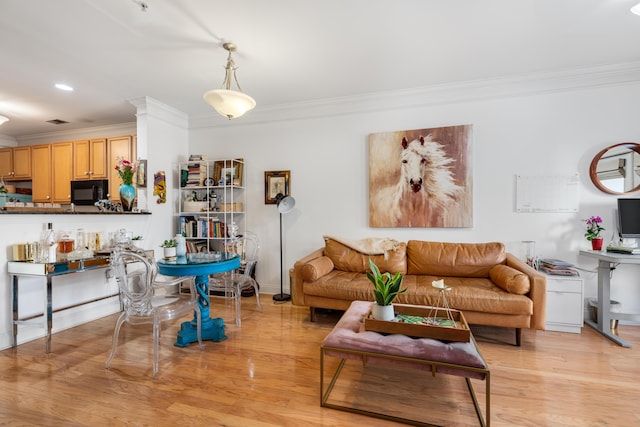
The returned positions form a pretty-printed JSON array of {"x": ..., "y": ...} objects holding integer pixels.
[{"x": 127, "y": 196}]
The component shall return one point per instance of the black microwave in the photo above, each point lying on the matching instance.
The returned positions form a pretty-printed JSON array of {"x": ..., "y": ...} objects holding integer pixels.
[{"x": 87, "y": 192}]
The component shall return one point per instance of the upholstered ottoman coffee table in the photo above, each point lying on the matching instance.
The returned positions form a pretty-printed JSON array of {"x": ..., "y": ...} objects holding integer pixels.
[{"x": 349, "y": 340}]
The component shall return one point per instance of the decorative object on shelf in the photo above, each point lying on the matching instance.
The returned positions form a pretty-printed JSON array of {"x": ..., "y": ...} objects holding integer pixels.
[
  {"x": 386, "y": 289},
  {"x": 593, "y": 232},
  {"x": 141, "y": 177},
  {"x": 228, "y": 172},
  {"x": 276, "y": 182},
  {"x": 227, "y": 102},
  {"x": 127, "y": 192},
  {"x": 284, "y": 204},
  {"x": 169, "y": 248},
  {"x": 160, "y": 187},
  {"x": 181, "y": 245},
  {"x": 530, "y": 253}
]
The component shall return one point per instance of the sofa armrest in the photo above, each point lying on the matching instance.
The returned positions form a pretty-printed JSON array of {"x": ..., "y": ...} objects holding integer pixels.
[
  {"x": 297, "y": 294},
  {"x": 538, "y": 292}
]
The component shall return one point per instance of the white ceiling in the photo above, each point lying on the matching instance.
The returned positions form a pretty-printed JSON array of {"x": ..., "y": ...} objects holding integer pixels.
[{"x": 289, "y": 51}]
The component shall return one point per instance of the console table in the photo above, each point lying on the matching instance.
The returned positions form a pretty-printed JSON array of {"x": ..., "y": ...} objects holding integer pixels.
[
  {"x": 49, "y": 270},
  {"x": 606, "y": 262}
]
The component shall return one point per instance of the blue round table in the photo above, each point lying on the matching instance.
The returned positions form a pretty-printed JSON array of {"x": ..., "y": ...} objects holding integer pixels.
[{"x": 200, "y": 266}]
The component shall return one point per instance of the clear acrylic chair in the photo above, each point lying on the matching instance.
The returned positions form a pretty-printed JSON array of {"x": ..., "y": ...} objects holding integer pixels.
[
  {"x": 144, "y": 300},
  {"x": 234, "y": 282}
]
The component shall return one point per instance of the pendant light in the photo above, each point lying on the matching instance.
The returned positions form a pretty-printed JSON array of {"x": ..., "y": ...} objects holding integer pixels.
[
  {"x": 227, "y": 102},
  {"x": 3, "y": 119}
]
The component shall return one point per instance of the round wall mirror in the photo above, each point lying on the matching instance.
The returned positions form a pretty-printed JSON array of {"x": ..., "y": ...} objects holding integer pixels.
[{"x": 616, "y": 169}]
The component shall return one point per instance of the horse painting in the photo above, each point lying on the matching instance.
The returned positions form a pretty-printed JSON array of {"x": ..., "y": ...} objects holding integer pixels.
[{"x": 417, "y": 183}]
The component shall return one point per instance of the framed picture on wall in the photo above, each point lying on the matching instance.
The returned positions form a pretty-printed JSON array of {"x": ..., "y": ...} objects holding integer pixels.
[
  {"x": 141, "y": 177},
  {"x": 276, "y": 182}
]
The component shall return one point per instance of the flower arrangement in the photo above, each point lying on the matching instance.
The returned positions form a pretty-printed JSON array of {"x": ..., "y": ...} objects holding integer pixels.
[
  {"x": 126, "y": 170},
  {"x": 593, "y": 228}
]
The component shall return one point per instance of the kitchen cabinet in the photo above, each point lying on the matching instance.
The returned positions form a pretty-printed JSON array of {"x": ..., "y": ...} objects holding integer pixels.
[
  {"x": 15, "y": 163},
  {"x": 90, "y": 159},
  {"x": 123, "y": 147},
  {"x": 62, "y": 158},
  {"x": 52, "y": 184},
  {"x": 41, "y": 173}
]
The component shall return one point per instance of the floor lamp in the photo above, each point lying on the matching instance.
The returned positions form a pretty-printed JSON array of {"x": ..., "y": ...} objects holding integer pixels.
[{"x": 285, "y": 204}]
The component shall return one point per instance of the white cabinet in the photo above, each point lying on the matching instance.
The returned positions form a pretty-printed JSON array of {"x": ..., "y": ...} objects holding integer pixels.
[
  {"x": 212, "y": 203},
  {"x": 565, "y": 309}
]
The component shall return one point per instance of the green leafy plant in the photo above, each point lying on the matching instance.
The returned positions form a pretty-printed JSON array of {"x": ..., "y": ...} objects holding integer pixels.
[
  {"x": 386, "y": 287},
  {"x": 171, "y": 243},
  {"x": 137, "y": 238}
]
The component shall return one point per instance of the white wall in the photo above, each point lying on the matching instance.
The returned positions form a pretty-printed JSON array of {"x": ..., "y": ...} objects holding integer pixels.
[{"x": 536, "y": 127}]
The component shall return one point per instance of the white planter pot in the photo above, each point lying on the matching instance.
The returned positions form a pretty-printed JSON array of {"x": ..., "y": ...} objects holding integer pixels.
[
  {"x": 138, "y": 243},
  {"x": 169, "y": 252},
  {"x": 383, "y": 312}
]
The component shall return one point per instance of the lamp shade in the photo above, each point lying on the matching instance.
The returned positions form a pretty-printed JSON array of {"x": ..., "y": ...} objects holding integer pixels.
[
  {"x": 285, "y": 204},
  {"x": 229, "y": 103}
]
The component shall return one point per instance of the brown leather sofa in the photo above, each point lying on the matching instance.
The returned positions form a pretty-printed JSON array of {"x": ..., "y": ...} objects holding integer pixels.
[{"x": 490, "y": 286}]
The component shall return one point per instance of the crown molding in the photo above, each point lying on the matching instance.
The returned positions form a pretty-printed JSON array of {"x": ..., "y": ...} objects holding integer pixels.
[
  {"x": 522, "y": 85},
  {"x": 146, "y": 105},
  {"x": 90, "y": 132}
]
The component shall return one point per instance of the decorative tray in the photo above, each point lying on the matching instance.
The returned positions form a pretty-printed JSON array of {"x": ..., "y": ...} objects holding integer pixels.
[{"x": 459, "y": 331}]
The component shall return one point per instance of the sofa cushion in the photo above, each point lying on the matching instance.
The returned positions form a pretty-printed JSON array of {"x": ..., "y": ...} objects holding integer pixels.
[
  {"x": 453, "y": 259},
  {"x": 510, "y": 279},
  {"x": 316, "y": 268},
  {"x": 346, "y": 259}
]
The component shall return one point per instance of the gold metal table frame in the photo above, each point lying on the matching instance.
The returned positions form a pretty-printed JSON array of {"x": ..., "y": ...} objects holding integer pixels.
[{"x": 325, "y": 394}]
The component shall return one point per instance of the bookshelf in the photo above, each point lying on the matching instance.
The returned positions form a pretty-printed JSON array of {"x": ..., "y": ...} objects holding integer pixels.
[{"x": 211, "y": 206}]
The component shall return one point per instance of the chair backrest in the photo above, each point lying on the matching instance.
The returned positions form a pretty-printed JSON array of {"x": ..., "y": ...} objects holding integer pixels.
[
  {"x": 247, "y": 246},
  {"x": 135, "y": 274}
]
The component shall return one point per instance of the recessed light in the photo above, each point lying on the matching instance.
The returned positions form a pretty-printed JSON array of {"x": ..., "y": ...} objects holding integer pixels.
[{"x": 63, "y": 86}]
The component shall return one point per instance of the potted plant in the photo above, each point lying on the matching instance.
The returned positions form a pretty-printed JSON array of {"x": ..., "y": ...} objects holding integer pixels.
[
  {"x": 386, "y": 289},
  {"x": 593, "y": 232},
  {"x": 137, "y": 242},
  {"x": 169, "y": 247}
]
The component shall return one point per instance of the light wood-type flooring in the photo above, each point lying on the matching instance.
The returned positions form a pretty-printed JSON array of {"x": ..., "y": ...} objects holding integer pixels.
[{"x": 267, "y": 374}]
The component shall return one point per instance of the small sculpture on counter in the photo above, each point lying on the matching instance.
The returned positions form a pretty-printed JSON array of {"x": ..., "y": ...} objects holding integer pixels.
[{"x": 108, "y": 206}]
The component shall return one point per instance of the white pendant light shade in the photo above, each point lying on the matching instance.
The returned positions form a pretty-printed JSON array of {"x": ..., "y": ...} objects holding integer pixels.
[
  {"x": 3, "y": 119},
  {"x": 636, "y": 9},
  {"x": 229, "y": 103}
]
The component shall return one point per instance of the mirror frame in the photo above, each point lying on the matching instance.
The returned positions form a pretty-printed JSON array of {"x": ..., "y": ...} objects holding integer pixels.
[{"x": 594, "y": 164}]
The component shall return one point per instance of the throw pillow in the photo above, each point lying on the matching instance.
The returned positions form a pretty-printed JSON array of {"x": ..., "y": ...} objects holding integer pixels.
[
  {"x": 316, "y": 268},
  {"x": 510, "y": 279}
]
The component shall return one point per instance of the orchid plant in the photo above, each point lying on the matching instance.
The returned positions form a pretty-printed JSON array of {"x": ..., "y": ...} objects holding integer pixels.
[
  {"x": 126, "y": 169},
  {"x": 593, "y": 228}
]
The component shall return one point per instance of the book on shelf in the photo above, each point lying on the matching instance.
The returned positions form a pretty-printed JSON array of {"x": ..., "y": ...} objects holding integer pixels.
[
  {"x": 554, "y": 262},
  {"x": 559, "y": 271}
]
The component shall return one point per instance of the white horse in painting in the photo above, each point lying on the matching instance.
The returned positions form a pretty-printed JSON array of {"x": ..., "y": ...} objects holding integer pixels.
[{"x": 425, "y": 188}]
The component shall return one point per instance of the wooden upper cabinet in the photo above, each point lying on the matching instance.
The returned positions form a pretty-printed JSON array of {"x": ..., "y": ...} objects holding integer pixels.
[
  {"x": 15, "y": 163},
  {"x": 6, "y": 163},
  {"x": 41, "y": 176},
  {"x": 62, "y": 158},
  {"x": 90, "y": 159},
  {"x": 122, "y": 147}
]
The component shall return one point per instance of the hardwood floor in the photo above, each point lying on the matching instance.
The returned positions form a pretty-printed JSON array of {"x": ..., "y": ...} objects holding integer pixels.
[{"x": 267, "y": 374}]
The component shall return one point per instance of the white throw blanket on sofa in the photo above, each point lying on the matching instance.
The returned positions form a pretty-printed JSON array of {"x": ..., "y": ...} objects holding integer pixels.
[{"x": 370, "y": 245}]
